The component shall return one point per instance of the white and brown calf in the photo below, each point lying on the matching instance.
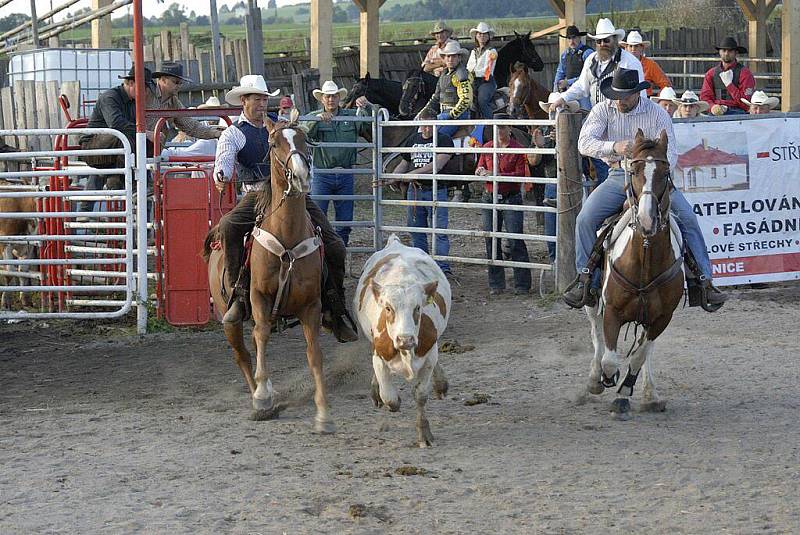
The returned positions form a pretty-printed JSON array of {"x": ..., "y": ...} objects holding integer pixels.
[{"x": 402, "y": 303}]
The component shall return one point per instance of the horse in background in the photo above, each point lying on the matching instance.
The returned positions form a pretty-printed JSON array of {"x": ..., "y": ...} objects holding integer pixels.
[
  {"x": 524, "y": 94},
  {"x": 520, "y": 49},
  {"x": 642, "y": 279},
  {"x": 381, "y": 91}
]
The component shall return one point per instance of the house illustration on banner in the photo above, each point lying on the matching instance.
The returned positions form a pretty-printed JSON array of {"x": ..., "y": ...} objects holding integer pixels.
[{"x": 707, "y": 168}]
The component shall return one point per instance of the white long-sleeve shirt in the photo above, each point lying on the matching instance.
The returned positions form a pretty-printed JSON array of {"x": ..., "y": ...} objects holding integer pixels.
[
  {"x": 588, "y": 83},
  {"x": 605, "y": 125},
  {"x": 482, "y": 66},
  {"x": 230, "y": 143}
]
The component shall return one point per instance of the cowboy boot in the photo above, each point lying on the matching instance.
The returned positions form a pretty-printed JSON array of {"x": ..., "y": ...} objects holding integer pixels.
[
  {"x": 580, "y": 292},
  {"x": 712, "y": 298},
  {"x": 701, "y": 290},
  {"x": 237, "y": 304},
  {"x": 335, "y": 318}
]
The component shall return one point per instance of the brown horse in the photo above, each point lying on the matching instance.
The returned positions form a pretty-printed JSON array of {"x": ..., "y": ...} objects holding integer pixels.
[
  {"x": 293, "y": 277},
  {"x": 643, "y": 277},
  {"x": 525, "y": 93}
]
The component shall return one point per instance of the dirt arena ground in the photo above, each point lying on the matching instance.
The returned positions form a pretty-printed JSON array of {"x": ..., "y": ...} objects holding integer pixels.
[{"x": 105, "y": 431}]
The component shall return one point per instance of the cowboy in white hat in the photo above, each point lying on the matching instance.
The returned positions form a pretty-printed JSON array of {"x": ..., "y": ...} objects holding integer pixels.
[
  {"x": 665, "y": 99},
  {"x": 690, "y": 105},
  {"x": 599, "y": 66},
  {"x": 653, "y": 73},
  {"x": 245, "y": 147},
  {"x": 571, "y": 62},
  {"x": 761, "y": 104},
  {"x": 433, "y": 62},
  {"x": 727, "y": 83},
  {"x": 481, "y": 64},
  {"x": 453, "y": 96}
]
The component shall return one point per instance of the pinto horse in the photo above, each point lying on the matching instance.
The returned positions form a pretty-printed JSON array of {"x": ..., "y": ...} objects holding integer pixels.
[
  {"x": 642, "y": 280},
  {"x": 525, "y": 93},
  {"x": 286, "y": 266}
]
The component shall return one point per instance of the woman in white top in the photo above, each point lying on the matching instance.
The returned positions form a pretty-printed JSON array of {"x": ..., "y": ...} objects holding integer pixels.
[{"x": 481, "y": 63}]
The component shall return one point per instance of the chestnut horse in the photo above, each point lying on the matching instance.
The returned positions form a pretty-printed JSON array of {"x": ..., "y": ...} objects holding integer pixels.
[
  {"x": 286, "y": 226},
  {"x": 525, "y": 93},
  {"x": 643, "y": 277}
]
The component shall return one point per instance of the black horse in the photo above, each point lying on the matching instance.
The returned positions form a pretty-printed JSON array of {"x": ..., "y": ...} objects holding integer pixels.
[
  {"x": 381, "y": 91},
  {"x": 522, "y": 50}
]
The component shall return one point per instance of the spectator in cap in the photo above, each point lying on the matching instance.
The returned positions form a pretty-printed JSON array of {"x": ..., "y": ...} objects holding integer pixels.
[
  {"x": 728, "y": 82},
  {"x": 571, "y": 63},
  {"x": 652, "y": 71},
  {"x": 433, "y": 62},
  {"x": 761, "y": 104},
  {"x": 665, "y": 99}
]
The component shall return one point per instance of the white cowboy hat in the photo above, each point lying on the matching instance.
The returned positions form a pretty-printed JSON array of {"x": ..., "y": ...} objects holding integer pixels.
[
  {"x": 690, "y": 98},
  {"x": 250, "y": 84},
  {"x": 482, "y": 28},
  {"x": 605, "y": 28},
  {"x": 212, "y": 102},
  {"x": 668, "y": 93},
  {"x": 760, "y": 98},
  {"x": 452, "y": 48},
  {"x": 572, "y": 106},
  {"x": 329, "y": 88},
  {"x": 634, "y": 38}
]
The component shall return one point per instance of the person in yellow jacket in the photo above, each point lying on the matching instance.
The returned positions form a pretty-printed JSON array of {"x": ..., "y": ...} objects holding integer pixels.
[
  {"x": 453, "y": 96},
  {"x": 481, "y": 64}
]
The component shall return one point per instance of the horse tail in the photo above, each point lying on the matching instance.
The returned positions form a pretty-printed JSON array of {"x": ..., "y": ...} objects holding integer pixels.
[{"x": 211, "y": 237}]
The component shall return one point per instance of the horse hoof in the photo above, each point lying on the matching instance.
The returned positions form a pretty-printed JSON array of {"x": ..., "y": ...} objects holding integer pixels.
[
  {"x": 262, "y": 415},
  {"x": 654, "y": 406},
  {"x": 440, "y": 389},
  {"x": 324, "y": 427},
  {"x": 595, "y": 388},
  {"x": 424, "y": 435},
  {"x": 621, "y": 408},
  {"x": 393, "y": 406}
]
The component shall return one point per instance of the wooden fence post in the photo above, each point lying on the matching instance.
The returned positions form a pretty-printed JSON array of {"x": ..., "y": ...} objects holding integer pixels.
[{"x": 570, "y": 193}]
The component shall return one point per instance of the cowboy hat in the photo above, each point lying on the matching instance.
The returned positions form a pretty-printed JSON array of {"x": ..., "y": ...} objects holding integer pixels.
[
  {"x": 250, "y": 84},
  {"x": 729, "y": 43},
  {"x": 452, "y": 48},
  {"x": 634, "y": 38},
  {"x": 605, "y": 28},
  {"x": 690, "y": 98},
  {"x": 170, "y": 68},
  {"x": 572, "y": 106},
  {"x": 441, "y": 26},
  {"x": 572, "y": 31},
  {"x": 760, "y": 98},
  {"x": 329, "y": 88},
  {"x": 482, "y": 28},
  {"x": 212, "y": 102},
  {"x": 148, "y": 76},
  {"x": 625, "y": 82},
  {"x": 668, "y": 93}
]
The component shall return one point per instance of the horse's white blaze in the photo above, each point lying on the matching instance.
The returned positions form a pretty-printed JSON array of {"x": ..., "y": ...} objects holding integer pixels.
[
  {"x": 517, "y": 86},
  {"x": 299, "y": 167},
  {"x": 648, "y": 206}
]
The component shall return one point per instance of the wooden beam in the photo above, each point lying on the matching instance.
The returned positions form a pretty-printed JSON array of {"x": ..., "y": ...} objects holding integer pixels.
[
  {"x": 101, "y": 28},
  {"x": 322, "y": 38},
  {"x": 748, "y": 8},
  {"x": 361, "y": 4},
  {"x": 558, "y": 8},
  {"x": 790, "y": 55},
  {"x": 549, "y": 30},
  {"x": 574, "y": 14},
  {"x": 771, "y": 4},
  {"x": 369, "y": 46}
]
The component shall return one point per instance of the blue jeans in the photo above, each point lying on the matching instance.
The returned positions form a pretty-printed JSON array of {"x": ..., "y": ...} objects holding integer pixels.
[
  {"x": 420, "y": 217},
  {"x": 608, "y": 199},
  {"x": 447, "y": 129},
  {"x": 600, "y": 169},
  {"x": 484, "y": 94},
  {"x": 512, "y": 221},
  {"x": 735, "y": 111},
  {"x": 335, "y": 184},
  {"x": 550, "y": 191}
]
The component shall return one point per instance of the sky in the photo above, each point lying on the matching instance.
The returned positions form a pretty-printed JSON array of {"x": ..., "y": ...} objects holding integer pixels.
[{"x": 150, "y": 7}]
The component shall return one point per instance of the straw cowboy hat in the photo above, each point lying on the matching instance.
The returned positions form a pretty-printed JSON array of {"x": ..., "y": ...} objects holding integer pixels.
[
  {"x": 482, "y": 28},
  {"x": 605, "y": 28},
  {"x": 668, "y": 93},
  {"x": 634, "y": 38},
  {"x": 572, "y": 31},
  {"x": 690, "y": 98},
  {"x": 453, "y": 48},
  {"x": 329, "y": 88},
  {"x": 170, "y": 68},
  {"x": 250, "y": 84},
  {"x": 212, "y": 102},
  {"x": 625, "y": 82},
  {"x": 441, "y": 26},
  {"x": 760, "y": 98},
  {"x": 729, "y": 43},
  {"x": 572, "y": 106}
]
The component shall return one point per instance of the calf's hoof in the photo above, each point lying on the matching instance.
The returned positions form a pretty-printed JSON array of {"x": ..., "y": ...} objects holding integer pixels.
[
  {"x": 658, "y": 405},
  {"x": 393, "y": 405},
  {"x": 621, "y": 408},
  {"x": 595, "y": 388},
  {"x": 375, "y": 394},
  {"x": 440, "y": 388},
  {"x": 324, "y": 426},
  {"x": 424, "y": 435},
  {"x": 261, "y": 415}
]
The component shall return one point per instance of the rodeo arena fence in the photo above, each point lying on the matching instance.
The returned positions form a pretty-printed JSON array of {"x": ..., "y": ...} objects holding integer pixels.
[{"x": 97, "y": 264}]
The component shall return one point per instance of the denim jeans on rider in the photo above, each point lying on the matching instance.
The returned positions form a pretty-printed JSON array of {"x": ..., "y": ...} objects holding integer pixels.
[
  {"x": 508, "y": 221},
  {"x": 450, "y": 129},
  {"x": 484, "y": 94},
  {"x": 420, "y": 216},
  {"x": 600, "y": 169},
  {"x": 335, "y": 184},
  {"x": 550, "y": 221},
  {"x": 608, "y": 199}
]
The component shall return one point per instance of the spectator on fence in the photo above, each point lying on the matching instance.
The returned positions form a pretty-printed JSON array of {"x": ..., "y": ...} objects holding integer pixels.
[
  {"x": 453, "y": 97},
  {"x": 423, "y": 162},
  {"x": 481, "y": 64},
  {"x": 433, "y": 62},
  {"x": 285, "y": 108},
  {"x": 653, "y": 73},
  {"x": 571, "y": 63},
  {"x": 666, "y": 99},
  {"x": 761, "y": 104},
  {"x": 689, "y": 106},
  {"x": 599, "y": 66},
  {"x": 508, "y": 193},
  {"x": 327, "y": 130},
  {"x": 114, "y": 108},
  {"x": 727, "y": 83},
  {"x": 198, "y": 147}
]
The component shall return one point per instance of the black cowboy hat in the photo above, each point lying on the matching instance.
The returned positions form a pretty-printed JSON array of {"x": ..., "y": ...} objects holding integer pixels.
[
  {"x": 729, "y": 43},
  {"x": 148, "y": 76},
  {"x": 624, "y": 82},
  {"x": 170, "y": 68},
  {"x": 572, "y": 31}
]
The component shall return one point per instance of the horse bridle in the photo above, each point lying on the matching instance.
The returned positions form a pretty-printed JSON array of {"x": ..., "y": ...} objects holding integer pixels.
[
  {"x": 420, "y": 89},
  {"x": 633, "y": 198},
  {"x": 287, "y": 171}
]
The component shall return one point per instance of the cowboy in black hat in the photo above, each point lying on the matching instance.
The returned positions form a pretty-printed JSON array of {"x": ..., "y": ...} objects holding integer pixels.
[
  {"x": 608, "y": 133},
  {"x": 726, "y": 84},
  {"x": 571, "y": 64}
]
